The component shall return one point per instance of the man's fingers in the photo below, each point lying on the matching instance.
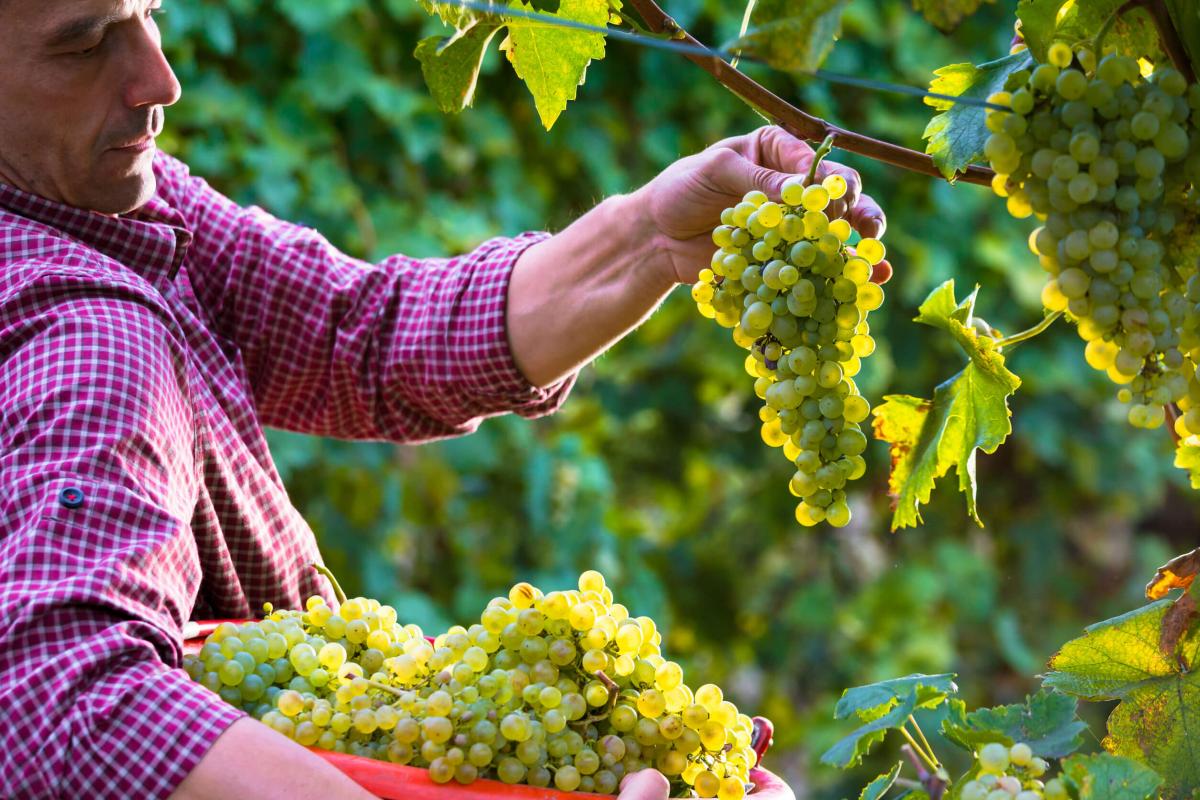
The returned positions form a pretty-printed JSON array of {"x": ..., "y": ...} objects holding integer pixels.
[
  {"x": 733, "y": 174},
  {"x": 770, "y": 783},
  {"x": 867, "y": 218},
  {"x": 851, "y": 176},
  {"x": 646, "y": 784}
]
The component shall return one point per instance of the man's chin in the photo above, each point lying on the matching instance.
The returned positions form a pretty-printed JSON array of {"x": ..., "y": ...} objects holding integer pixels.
[{"x": 124, "y": 194}]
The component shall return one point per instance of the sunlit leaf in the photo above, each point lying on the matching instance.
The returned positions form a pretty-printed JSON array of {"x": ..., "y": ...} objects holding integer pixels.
[
  {"x": 968, "y": 413},
  {"x": 956, "y": 136}
]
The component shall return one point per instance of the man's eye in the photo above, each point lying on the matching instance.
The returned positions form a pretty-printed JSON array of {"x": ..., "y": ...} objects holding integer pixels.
[{"x": 89, "y": 50}]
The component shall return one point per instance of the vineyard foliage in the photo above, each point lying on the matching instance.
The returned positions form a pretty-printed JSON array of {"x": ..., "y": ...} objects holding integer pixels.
[{"x": 653, "y": 472}]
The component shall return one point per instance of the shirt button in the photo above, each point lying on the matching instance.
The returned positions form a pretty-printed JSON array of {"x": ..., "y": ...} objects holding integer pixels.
[{"x": 71, "y": 497}]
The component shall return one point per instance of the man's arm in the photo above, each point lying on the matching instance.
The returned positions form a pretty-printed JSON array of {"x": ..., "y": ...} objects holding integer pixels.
[
  {"x": 575, "y": 294},
  {"x": 403, "y": 350},
  {"x": 251, "y": 760},
  {"x": 98, "y": 564}
]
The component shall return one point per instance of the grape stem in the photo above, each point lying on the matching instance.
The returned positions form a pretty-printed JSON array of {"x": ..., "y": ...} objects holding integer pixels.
[
  {"x": 924, "y": 741},
  {"x": 825, "y": 149},
  {"x": 934, "y": 782},
  {"x": 1024, "y": 336},
  {"x": 1172, "y": 415},
  {"x": 796, "y": 122},
  {"x": 916, "y": 749},
  {"x": 614, "y": 692},
  {"x": 384, "y": 687},
  {"x": 337, "y": 587}
]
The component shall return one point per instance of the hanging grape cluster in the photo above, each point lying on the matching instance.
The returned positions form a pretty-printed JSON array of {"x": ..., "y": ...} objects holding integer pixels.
[
  {"x": 564, "y": 689},
  {"x": 1011, "y": 773},
  {"x": 797, "y": 298},
  {"x": 1110, "y": 161}
]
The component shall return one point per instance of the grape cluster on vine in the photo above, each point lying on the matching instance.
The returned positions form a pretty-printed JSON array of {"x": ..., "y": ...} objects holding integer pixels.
[
  {"x": 797, "y": 297},
  {"x": 1109, "y": 160},
  {"x": 1011, "y": 773},
  {"x": 564, "y": 689}
]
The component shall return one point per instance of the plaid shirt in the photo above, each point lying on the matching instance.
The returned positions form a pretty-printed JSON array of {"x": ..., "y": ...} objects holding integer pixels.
[{"x": 140, "y": 357}]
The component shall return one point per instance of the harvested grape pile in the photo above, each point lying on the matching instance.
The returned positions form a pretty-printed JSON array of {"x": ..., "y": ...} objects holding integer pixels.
[{"x": 563, "y": 689}]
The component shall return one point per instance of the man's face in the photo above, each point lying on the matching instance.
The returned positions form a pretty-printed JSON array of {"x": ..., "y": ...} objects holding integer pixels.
[{"x": 80, "y": 81}]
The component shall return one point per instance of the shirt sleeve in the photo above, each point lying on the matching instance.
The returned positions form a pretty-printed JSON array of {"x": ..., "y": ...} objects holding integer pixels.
[
  {"x": 404, "y": 350},
  {"x": 98, "y": 566}
]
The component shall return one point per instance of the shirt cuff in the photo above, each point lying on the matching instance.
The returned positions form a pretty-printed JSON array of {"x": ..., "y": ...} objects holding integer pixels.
[
  {"x": 149, "y": 737},
  {"x": 501, "y": 381}
]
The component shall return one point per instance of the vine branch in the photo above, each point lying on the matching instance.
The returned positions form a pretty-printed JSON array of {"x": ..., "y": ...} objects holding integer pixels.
[
  {"x": 792, "y": 119},
  {"x": 1169, "y": 37}
]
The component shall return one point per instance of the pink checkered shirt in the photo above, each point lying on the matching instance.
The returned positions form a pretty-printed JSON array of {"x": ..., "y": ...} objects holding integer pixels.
[{"x": 139, "y": 359}]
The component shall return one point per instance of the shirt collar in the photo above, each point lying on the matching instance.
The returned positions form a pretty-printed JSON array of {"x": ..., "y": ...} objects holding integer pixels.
[{"x": 152, "y": 241}]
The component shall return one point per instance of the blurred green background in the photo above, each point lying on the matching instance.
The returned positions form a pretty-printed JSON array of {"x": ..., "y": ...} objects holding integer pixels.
[{"x": 654, "y": 472}]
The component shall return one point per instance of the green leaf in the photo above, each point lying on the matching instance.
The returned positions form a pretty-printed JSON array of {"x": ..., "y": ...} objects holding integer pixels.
[
  {"x": 878, "y": 787},
  {"x": 969, "y": 412},
  {"x": 1187, "y": 22},
  {"x": 553, "y": 61},
  {"x": 1037, "y": 24},
  {"x": 1042, "y": 23},
  {"x": 451, "y": 64},
  {"x": 946, "y": 15},
  {"x": 1046, "y": 722},
  {"x": 1187, "y": 456},
  {"x": 791, "y": 36},
  {"x": 884, "y": 706},
  {"x": 956, "y": 136},
  {"x": 871, "y": 698},
  {"x": 1157, "y": 721},
  {"x": 1107, "y": 777}
]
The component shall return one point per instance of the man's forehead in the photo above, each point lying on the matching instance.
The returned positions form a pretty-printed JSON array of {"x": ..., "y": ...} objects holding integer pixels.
[{"x": 47, "y": 17}]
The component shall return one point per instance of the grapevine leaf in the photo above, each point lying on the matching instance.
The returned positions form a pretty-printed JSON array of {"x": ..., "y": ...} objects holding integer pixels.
[
  {"x": 850, "y": 750},
  {"x": 969, "y": 412},
  {"x": 879, "y": 787},
  {"x": 553, "y": 60},
  {"x": 1187, "y": 22},
  {"x": 1044, "y": 21},
  {"x": 1133, "y": 33},
  {"x": 1107, "y": 777},
  {"x": 1178, "y": 573},
  {"x": 1158, "y": 719},
  {"x": 791, "y": 36},
  {"x": 453, "y": 14},
  {"x": 1046, "y": 722},
  {"x": 946, "y": 15},
  {"x": 1037, "y": 24},
  {"x": 451, "y": 65},
  {"x": 546, "y": 6},
  {"x": 883, "y": 706},
  {"x": 1187, "y": 456},
  {"x": 956, "y": 135},
  {"x": 930, "y": 689}
]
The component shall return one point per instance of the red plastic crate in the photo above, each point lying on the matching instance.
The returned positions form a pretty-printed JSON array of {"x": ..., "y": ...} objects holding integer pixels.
[{"x": 397, "y": 782}]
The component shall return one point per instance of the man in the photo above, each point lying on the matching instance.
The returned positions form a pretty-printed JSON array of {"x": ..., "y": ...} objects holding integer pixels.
[{"x": 149, "y": 328}]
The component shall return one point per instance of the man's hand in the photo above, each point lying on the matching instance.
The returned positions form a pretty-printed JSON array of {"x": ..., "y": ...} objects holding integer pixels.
[
  {"x": 646, "y": 784},
  {"x": 574, "y": 294},
  {"x": 684, "y": 203}
]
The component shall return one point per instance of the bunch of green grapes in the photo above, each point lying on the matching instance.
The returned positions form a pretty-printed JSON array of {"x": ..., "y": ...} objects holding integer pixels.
[
  {"x": 1011, "y": 773},
  {"x": 797, "y": 297},
  {"x": 564, "y": 689},
  {"x": 1109, "y": 160}
]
